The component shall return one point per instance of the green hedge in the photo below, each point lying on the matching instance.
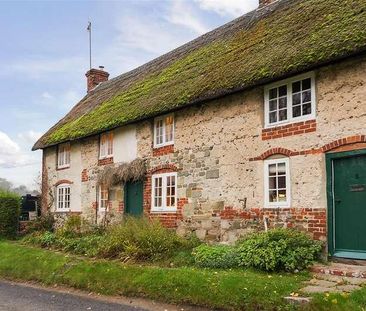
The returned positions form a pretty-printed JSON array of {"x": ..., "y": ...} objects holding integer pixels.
[{"x": 9, "y": 214}]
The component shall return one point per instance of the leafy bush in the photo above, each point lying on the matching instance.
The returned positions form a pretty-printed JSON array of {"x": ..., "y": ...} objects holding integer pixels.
[
  {"x": 43, "y": 239},
  {"x": 41, "y": 224},
  {"x": 216, "y": 256},
  {"x": 9, "y": 214},
  {"x": 72, "y": 227},
  {"x": 140, "y": 239},
  {"x": 278, "y": 249}
]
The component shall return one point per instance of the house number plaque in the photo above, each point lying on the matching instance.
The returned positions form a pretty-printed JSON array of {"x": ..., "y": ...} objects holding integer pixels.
[{"x": 357, "y": 188}]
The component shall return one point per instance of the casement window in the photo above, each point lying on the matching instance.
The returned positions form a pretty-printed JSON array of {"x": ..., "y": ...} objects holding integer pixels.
[
  {"x": 291, "y": 100},
  {"x": 63, "y": 155},
  {"x": 103, "y": 197},
  {"x": 106, "y": 145},
  {"x": 63, "y": 198},
  {"x": 164, "y": 192},
  {"x": 277, "y": 183},
  {"x": 164, "y": 131}
]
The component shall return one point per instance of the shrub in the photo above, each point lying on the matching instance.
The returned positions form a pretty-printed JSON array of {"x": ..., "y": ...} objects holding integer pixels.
[
  {"x": 9, "y": 214},
  {"x": 41, "y": 224},
  {"x": 72, "y": 227},
  {"x": 43, "y": 239},
  {"x": 216, "y": 256},
  {"x": 140, "y": 239},
  {"x": 278, "y": 249}
]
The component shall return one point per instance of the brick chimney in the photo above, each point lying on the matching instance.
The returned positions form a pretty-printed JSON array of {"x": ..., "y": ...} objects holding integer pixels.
[
  {"x": 95, "y": 76},
  {"x": 263, "y": 3}
]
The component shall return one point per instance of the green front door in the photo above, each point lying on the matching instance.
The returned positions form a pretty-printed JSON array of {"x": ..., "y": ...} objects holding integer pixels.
[
  {"x": 349, "y": 206},
  {"x": 134, "y": 198}
]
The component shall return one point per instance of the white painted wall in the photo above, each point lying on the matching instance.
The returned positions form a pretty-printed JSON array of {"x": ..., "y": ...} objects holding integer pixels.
[{"x": 124, "y": 144}]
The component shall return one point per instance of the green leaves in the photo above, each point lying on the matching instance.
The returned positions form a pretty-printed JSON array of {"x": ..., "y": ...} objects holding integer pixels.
[{"x": 9, "y": 214}]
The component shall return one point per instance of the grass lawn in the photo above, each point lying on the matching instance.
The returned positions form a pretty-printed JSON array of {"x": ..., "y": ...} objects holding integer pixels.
[{"x": 225, "y": 289}]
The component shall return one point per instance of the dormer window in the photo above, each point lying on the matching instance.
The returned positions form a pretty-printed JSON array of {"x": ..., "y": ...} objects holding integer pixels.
[
  {"x": 289, "y": 101},
  {"x": 63, "y": 156},
  {"x": 164, "y": 131},
  {"x": 106, "y": 145}
]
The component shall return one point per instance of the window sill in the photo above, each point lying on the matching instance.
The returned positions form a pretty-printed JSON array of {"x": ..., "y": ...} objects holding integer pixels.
[
  {"x": 163, "y": 211},
  {"x": 105, "y": 161},
  {"x": 277, "y": 206},
  {"x": 60, "y": 168},
  {"x": 289, "y": 129},
  {"x": 63, "y": 211}
]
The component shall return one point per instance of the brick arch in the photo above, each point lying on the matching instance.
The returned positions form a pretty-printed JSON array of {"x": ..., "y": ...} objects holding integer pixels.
[
  {"x": 163, "y": 167},
  {"x": 273, "y": 151},
  {"x": 356, "y": 139},
  {"x": 63, "y": 181}
]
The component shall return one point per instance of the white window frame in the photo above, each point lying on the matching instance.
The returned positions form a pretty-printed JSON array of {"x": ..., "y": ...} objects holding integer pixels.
[
  {"x": 63, "y": 155},
  {"x": 288, "y": 83},
  {"x": 164, "y": 143},
  {"x": 100, "y": 208},
  {"x": 104, "y": 148},
  {"x": 163, "y": 208},
  {"x": 269, "y": 204},
  {"x": 63, "y": 202}
]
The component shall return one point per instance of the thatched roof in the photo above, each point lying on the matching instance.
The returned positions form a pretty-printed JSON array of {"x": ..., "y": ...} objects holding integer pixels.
[
  {"x": 124, "y": 172},
  {"x": 282, "y": 39}
]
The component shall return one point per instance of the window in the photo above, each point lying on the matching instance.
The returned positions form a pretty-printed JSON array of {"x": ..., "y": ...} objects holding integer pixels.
[
  {"x": 103, "y": 197},
  {"x": 63, "y": 198},
  {"x": 164, "y": 131},
  {"x": 106, "y": 145},
  {"x": 290, "y": 100},
  {"x": 277, "y": 183},
  {"x": 63, "y": 155},
  {"x": 164, "y": 192}
]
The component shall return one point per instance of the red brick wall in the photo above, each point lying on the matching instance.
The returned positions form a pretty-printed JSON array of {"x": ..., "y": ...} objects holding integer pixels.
[
  {"x": 289, "y": 130},
  {"x": 44, "y": 185},
  {"x": 163, "y": 150},
  {"x": 312, "y": 220},
  {"x": 84, "y": 175},
  {"x": 105, "y": 161}
]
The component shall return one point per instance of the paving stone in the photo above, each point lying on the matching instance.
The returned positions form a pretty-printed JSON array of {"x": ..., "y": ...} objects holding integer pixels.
[
  {"x": 312, "y": 289},
  {"x": 297, "y": 300},
  {"x": 348, "y": 288},
  {"x": 354, "y": 281},
  {"x": 332, "y": 278}
]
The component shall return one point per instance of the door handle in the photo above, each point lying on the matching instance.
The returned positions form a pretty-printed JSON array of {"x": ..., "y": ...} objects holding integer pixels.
[{"x": 338, "y": 201}]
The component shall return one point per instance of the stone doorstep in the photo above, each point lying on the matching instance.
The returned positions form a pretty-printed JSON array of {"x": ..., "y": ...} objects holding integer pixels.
[{"x": 338, "y": 269}]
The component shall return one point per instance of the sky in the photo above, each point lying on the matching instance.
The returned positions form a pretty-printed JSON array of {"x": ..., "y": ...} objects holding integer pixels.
[{"x": 45, "y": 54}]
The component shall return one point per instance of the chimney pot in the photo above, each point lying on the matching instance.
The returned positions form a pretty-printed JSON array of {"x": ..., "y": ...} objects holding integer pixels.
[{"x": 95, "y": 77}]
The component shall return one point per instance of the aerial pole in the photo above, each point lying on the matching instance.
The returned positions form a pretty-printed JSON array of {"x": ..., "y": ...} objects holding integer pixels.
[{"x": 89, "y": 29}]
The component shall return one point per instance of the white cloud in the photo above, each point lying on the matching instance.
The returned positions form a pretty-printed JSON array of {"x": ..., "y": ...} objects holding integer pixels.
[
  {"x": 46, "y": 95},
  {"x": 181, "y": 14},
  {"x": 232, "y": 8},
  {"x": 65, "y": 100},
  {"x": 30, "y": 136},
  {"x": 11, "y": 154}
]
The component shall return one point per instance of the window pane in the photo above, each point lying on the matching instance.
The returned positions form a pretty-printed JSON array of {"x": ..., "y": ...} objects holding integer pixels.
[
  {"x": 306, "y": 84},
  {"x": 306, "y": 96},
  {"x": 281, "y": 182},
  {"x": 273, "y": 117},
  {"x": 296, "y": 111},
  {"x": 306, "y": 109},
  {"x": 273, "y": 196},
  {"x": 273, "y": 105},
  {"x": 296, "y": 87},
  {"x": 272, "y": 170},
  {"x": 282, "y": 102},
  {"x": 281, "y": 168},
  {"x": 296, "y": 99},
  {"x": 283, "y": 91},
  {"x": 282, "y": 197},
  {"x": 272, "y": 183},
  {"x": 273, "y": 93},
  {"x": 282, "y": 115}
]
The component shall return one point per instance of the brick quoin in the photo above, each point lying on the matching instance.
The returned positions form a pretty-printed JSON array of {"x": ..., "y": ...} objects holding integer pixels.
[
  {"x": 311, "y": 220},
  {"x": 169, "y": 220},
  {"x": 163, "y": 150},
  {"x": 121, "y": 206},
  {"x": 105, "y": 161},
  {"x": 289, "y": 130},
  {"x": 84, "y": 175},
  {"x": 44, "y": 186},
  {"x": 337, "y": 144}
]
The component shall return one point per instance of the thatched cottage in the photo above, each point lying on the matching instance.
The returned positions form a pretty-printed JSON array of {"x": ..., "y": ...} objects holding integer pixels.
[{"x": 258, "y": 123}]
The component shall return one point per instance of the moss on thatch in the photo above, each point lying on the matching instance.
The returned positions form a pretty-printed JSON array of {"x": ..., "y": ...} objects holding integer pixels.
[
  {"x": 117, "y": 175},
  {"x": 257, "y": 48}
]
